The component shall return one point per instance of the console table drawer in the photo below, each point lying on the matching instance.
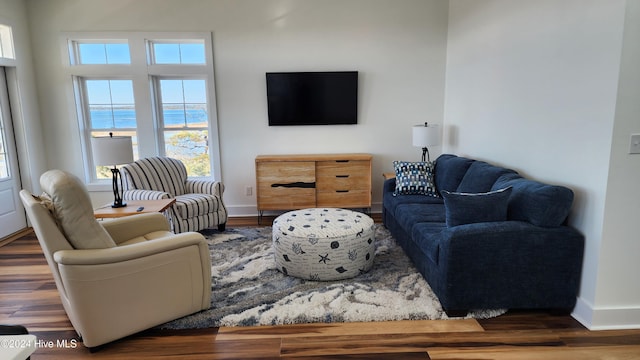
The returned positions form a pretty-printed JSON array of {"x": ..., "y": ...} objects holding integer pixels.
[
  {"x": 285, "y": 186},
  {"x": 343, "y": 175},
  {"x": 344, "y": 198}
]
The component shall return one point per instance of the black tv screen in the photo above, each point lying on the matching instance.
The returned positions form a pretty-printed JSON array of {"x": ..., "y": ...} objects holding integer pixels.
[{"x": 312, "y": 98}]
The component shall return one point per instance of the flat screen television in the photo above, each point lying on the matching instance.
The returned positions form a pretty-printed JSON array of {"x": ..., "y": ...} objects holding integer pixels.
[{"x": 312, "y": 98}]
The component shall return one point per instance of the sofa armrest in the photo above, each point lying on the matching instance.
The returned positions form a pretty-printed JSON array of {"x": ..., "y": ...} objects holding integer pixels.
[
  {"x": 129, "y": 227},
  {"x": 141, "y": 194},
  {"x": 503, "y": 258},
  {"x": 389, "y": 186},
  {"x": 204, "y": 187}
]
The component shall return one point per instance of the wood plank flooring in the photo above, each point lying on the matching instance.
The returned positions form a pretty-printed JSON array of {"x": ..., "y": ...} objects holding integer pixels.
[{"x": 28, "y": 297}]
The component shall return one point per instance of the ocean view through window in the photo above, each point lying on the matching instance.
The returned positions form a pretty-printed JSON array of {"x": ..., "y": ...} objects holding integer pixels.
[{"x": 165, "y": 100}]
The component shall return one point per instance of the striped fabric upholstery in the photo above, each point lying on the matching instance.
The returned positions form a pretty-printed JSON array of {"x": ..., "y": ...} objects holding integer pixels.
[
  {"x": 198, "y": 204},
  {"x": 156, "y": 173}
]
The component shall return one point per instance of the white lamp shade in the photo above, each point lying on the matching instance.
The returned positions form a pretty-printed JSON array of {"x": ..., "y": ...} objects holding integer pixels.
[
  {"x": 111, "y": 151},
  {"x": 424, "y": 136}
]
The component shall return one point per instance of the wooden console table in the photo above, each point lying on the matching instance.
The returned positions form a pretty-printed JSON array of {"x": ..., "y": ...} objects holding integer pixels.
[{"x": 291, "y": 182}]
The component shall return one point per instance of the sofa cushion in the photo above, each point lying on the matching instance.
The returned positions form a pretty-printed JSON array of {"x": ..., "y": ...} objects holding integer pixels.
[
  {"x": 428, "y": 237},
  {"x": 68, "y": 200},
  {"x": 469, "y": 208},
  {"x": 449, "y": 171},
  {"x": 480, "y": 177},
  {"x": 537, "y": 203},
  {"x": 409, "y": 214},
  {"x": 414, "y": 178}
]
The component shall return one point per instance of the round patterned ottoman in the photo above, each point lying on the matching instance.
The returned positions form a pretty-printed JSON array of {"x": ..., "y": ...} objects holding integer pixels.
[{"x": 323, "y": 243}]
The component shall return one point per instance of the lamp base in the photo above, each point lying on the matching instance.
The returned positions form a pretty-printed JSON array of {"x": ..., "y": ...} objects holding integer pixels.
[{"x": 119, "y": 205}]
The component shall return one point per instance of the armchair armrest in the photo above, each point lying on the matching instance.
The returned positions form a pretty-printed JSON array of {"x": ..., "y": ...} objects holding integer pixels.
[
  {"x": 204, "y": 187},
  {"x": 141, "y": 194},
  {"x": 128, "y": 227}
]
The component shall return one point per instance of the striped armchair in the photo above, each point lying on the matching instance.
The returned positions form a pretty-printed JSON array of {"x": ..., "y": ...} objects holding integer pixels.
[{"x": 198, "y": 203}]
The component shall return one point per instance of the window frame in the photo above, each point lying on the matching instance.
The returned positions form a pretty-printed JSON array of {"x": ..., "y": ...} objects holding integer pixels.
[{"x": 142, "y": 72}]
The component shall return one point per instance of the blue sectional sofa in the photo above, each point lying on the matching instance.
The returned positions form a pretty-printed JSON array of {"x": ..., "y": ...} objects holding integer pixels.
[{"x": 517, "y": 253}]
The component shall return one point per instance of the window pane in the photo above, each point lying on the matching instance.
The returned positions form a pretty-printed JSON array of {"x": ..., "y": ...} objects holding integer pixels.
[
  {"x": 166, "y": 53},
  {"x": 194, "y": 91},
  {"x": 98, "y": 91},
  {"x": 92, "y": 54},
  {"x": 184, "y": 103},
  {"x": 121, "y": 91},
  {"x": 174, "y": 115},
  {"x": 4, "y": 166},
  {"x": 103, "y": 53},
  {"x": 196, "y": 115},
  {"x": 6, "y": 42},
  {"x": 192, "y": 148},
  {"x": 172, "y": 91},
  {"x": 111, "y": 104},
  {"x": 191, "y": 52},
  {"x": 118, "y": 54}
]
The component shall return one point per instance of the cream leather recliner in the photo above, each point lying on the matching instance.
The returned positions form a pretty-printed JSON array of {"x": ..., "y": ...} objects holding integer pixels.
[{"x": 117, "y": 277}]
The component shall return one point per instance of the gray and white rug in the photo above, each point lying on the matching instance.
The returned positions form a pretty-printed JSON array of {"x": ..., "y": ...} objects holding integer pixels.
[{"x": 248, "y": 290}]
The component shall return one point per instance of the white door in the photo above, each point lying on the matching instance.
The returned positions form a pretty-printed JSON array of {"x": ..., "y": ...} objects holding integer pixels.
[{"x": 12, "y": 216}]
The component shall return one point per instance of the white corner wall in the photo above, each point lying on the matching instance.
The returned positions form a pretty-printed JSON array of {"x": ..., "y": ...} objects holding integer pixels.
[
  {"x": 617, "y": 301},
  {"x": 534, "y": 86},
  {"x": 399, "y": 48}
]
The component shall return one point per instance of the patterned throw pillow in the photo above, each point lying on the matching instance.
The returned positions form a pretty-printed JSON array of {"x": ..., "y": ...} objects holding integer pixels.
[{"x": 414, "y": 178}]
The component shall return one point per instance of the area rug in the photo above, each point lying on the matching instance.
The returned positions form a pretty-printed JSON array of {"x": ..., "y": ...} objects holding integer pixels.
[{"x": 248, "y": 290}]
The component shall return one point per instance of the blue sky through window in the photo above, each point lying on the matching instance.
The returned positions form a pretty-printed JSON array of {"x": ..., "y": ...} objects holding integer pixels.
[
  {"x": 104, "y": 53},
  {"x": 179, "y": 53},
  {"x": 110, "y": 92}
]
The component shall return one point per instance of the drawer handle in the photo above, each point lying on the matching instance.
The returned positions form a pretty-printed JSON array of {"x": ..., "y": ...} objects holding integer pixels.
[
  {"x": 342, "y": 176},
  {"x": 342, "y": 191},
  {"x": 342, "y": 161}
]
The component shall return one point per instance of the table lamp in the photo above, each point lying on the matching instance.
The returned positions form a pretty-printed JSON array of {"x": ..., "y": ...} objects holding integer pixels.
[
  {"x": 424, "y": 136},
  {"x": 112, "y": 151}
]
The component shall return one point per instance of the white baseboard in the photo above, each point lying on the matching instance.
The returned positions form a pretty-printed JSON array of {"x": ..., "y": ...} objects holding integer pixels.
[{"x": 606, "y": 318}]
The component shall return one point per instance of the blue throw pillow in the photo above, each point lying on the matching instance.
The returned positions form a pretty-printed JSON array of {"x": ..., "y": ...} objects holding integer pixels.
[
  {"x": 466, "y": 208},
  {"x": 414, "y": 178}
]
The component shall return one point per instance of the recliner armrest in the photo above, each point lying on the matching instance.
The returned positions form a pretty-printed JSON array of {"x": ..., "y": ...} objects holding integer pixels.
[
  {"x": 128, "y": 227},
  {"x": 131, "y": 252}
]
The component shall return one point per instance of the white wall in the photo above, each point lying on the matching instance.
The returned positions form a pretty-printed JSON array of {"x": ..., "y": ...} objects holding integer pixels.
[
  {"x": 534, "y": 86},
  {"x": 618, "y": 289},
  {"x": 398, "y": 47}
]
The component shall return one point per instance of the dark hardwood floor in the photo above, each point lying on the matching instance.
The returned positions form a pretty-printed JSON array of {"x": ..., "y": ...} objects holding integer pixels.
[{"x": 29, "y": 297}]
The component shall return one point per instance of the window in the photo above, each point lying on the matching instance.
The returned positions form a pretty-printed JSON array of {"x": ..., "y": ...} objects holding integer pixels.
[
  {"x": 6, "y": 42},
  {"x": 101, "y": 53},
  {"x": 109, "y": 108},
  {"x": 177, "y": 53},
  {"x": 4, "y": 158},
  {"x": 183, "y": 109},
  {"x": 155, "y": 87}
]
